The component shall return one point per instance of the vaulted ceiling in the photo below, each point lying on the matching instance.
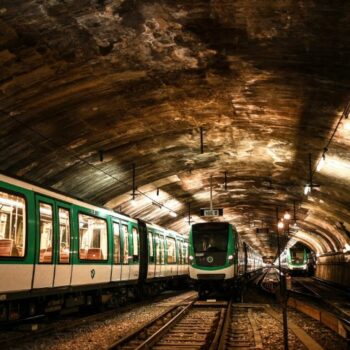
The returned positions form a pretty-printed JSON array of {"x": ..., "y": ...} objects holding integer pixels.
[{"x": 90, "y": 87}]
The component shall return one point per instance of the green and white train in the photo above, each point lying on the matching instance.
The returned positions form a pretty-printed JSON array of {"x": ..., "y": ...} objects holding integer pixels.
[
  {"x": 57, "y": 252},
  {"x": 219, "y": 258}
]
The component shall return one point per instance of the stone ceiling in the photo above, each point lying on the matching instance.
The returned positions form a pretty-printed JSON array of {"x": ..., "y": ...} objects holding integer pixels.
[{"x": 266, "y": 81}]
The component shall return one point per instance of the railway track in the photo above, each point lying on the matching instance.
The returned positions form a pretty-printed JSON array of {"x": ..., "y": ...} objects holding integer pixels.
[
  {"x": 197, "y": 325},
  {"x": 240, "y": 330},
  {"x": 29, "y": 331}
]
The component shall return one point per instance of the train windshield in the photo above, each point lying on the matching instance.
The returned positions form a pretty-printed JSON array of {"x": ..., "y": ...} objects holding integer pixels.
[{"x": 210, "y": 237}]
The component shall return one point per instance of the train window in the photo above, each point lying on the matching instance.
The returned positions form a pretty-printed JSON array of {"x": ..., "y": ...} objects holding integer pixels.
[
  {"x": 126, "y": 244},
  {"x": 159, "y": 257},
  {"x": 150, "y": 247},
  {"x": 64, "y": 224},
  {"x": 12, "y": 225},
  {"x": 180, "y": 252},
  {"x": 135, "y": 242},
  {"x": 161, "y": 247},
  {"x": 185, "y": 254},
  {"x": 92, "y": 238},
  {"x": 116, "y": 241},
  {"x": 171, "y": 244},
  {"x": 46, "y": 232}
]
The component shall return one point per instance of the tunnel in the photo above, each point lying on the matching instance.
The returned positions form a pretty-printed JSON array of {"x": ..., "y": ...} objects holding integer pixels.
[{"x": 163, "y": 109}]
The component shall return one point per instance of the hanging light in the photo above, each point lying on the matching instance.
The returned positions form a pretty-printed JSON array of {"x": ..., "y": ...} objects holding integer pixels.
[
  {"x": 286, "y": 215},
  {"x": 321, "y": 162},
  {"x": 173, "y": 214},
  {"x": 280, "y": 224},
  {"x": 307, "y": 189},
  {"x": 346, "y": 122},
  {"x": 133, "y": 202}
]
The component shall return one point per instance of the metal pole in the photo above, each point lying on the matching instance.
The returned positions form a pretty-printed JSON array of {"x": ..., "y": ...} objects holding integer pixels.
[
  {"x": 211, "y": 192},
  {"x": 133, "y": 180},
  {"x": 202, "y": 145},
  {"x": 282, "y": 289}
]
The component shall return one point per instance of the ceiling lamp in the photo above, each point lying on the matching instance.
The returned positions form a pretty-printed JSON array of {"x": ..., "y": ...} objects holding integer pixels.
[
  {"x": 286, "y": 215},
  {"x": 307, "y": 189},
  {"x": 322, "y": 160},
  {"x": 346, "y": 123},
  {"x": 280, "y": 224},
  {"x": 173, "y": 214}
]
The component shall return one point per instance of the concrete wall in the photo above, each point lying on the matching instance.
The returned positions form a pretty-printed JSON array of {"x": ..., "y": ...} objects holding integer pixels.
[{"x": 334, "y": 268}]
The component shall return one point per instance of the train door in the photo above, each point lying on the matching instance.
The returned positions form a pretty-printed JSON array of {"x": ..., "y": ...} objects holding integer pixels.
[
  {"x": 62, "y": 240},
  {"x": 135, "y": 252},
  {"x": 117, "y": 250},
  {"x": 44, "y": 271},
  {"x": 144, "y": 251},
  {"x": 125, "y": 252},
  {"x": 151, "y": 255}
]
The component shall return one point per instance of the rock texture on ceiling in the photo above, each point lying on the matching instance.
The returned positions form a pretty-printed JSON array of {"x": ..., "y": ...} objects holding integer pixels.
[{"x": 266, "y": 80}]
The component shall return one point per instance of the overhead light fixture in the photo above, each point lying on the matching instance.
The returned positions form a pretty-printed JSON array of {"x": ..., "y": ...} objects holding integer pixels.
[
  {"x": 346, "y": 248},
  {"x": 158, "y": 205},
  {"x": 346, "y": 123},
  {"x": 307, "y": 189},
  {"x": 173, "y": 214},
  {"x": 322, "y": 160},
  {"x": 280, "y": 224},
  {"x": 286, "y": 215},
  {"x": 321, "y": 163}
]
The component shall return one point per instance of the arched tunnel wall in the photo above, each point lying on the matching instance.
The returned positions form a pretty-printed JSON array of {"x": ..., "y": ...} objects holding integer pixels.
[{"x": 334, "y": 268}]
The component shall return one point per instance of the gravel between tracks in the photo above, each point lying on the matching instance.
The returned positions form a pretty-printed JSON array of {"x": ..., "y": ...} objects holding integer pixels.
[{"x": 101, "y": 334}]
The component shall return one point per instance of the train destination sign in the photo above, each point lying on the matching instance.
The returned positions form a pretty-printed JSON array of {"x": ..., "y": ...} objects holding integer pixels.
[{"x": 212, "y": 212}]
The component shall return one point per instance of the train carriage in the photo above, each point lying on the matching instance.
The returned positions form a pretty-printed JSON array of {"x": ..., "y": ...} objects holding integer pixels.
[
  {"x": 295, "y": 259},
  {"x": 57, "y": 251},
  {"x": 219, "y": 258}
]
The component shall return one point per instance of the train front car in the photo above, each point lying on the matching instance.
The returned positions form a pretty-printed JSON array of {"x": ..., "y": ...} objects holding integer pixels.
[
  {"x": 297, "y": 260},
  {"x": 212, "y": 256}
]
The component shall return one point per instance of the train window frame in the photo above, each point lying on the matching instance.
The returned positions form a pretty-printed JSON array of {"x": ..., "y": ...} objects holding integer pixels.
[
  {"x": 105, "y": 259},
  {"x": 135, "y": 257},
  {"x": 53, "y": 240},
  {"x": 125, "y": 224},
  {"x": 173, "y": 240},
  {"x": 158, "y": 249},
  {"x": 115, "y": 222},
  {"x": 59, "y": 234},
  {"x": 150, "y": 239},
  {"x": 25, "y": 224}
]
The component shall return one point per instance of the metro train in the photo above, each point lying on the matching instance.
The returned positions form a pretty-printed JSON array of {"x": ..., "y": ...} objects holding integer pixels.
[
  {"x": 219, "y": 259},
  {"x": 58, "y": 253},
  {"x": 295, "y": 259}
]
